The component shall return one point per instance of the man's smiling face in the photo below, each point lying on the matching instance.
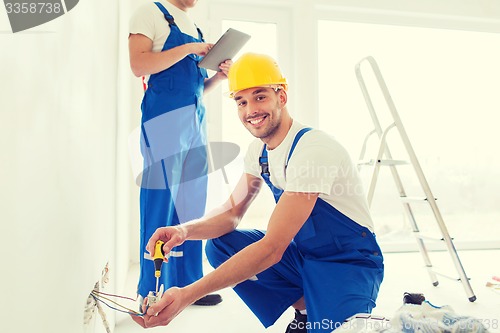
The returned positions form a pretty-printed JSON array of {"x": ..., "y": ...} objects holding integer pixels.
[{"x": 260, "y": 110}]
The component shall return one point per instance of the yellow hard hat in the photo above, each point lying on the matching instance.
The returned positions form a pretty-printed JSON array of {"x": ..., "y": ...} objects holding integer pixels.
[{"x": 254, "y": 70}]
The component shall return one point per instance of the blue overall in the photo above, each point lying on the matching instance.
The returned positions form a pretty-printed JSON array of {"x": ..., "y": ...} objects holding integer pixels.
[
  {"x": 173, "y": 125},
  {"x": 334, "y": 262}
]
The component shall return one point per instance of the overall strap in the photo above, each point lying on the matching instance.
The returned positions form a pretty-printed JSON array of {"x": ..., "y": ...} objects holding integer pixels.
[
  {"x": 168, "y": 17},
  {"x": 295, "y": 141},
  {"x": 200, "y": 34},
  {"x": 264, "y": 163},
  {"x": 264, "y": 167}
]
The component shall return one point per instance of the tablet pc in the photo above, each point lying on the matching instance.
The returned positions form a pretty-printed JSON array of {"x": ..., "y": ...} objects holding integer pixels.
[{"x": 226, "y": 48}]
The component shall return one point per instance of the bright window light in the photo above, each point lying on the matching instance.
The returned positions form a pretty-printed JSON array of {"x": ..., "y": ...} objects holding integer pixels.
[
  {"x": 445, "y": 86},
  {"x": 264, "y": 40}
]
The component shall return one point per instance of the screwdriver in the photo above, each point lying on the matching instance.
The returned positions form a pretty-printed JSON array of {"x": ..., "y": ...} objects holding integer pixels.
[{"x": 158, "y": 257}]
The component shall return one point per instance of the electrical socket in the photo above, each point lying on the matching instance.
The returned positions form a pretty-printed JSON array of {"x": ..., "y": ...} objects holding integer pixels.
[
  {"x": 89, "y": 311},
  {"x": 92, "y": 304}
]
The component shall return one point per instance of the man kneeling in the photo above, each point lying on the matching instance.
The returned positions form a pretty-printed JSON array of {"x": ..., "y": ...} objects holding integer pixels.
[{"x": 318, "y": 254}]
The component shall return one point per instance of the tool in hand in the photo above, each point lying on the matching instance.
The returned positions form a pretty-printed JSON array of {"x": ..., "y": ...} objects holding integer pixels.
[{"x": 158, "y": 257}]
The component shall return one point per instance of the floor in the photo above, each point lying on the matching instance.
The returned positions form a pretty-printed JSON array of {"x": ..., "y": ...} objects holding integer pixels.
[{"x": 404, "y": 273}]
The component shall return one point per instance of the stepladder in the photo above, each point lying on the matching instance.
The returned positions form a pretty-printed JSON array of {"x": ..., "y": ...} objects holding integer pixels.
[{"x": 382, "y": 158}]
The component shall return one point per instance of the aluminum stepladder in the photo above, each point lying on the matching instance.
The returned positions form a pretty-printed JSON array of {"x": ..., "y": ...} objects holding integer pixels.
[{"x": 384, "y": 158}]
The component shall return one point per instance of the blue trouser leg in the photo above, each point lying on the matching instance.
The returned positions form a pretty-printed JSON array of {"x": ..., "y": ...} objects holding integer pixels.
[
  {"x": 334, "y": 287},
  {"x": 173, "y": 124},
  {"x": 163, "y": 205},
  {"x": 157, "y": 210},
  {"x": 273, "y": 290},
  {"x": 350, "y": 290},
  {"x": 185, "y": 264}
]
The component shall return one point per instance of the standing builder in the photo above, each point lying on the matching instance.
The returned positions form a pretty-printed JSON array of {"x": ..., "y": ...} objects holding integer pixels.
[{"x": 165, "y": 46}]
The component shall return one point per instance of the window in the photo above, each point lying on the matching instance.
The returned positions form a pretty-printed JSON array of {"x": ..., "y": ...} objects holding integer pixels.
[
  {"x": 263, "y": 40},
  {"x": 444, "y": 84},
  {"x": 266, "y": 27}
]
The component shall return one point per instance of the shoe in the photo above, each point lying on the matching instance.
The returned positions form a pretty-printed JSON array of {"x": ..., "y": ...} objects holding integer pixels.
[
  {"x": 413, "y": 298},
  {"x": 298, "y": 324},
  {"x": 209, "y": 300}
]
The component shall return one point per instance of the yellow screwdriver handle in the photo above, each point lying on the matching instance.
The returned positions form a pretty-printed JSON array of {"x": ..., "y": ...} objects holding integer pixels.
[
  {"x": 158, "y": 256},
  {"x": 159, "y": 253}
]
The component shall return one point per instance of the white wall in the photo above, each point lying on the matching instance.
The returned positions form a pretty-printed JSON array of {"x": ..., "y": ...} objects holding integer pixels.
[
  {"x": 63, "y": 127},
  {"x": 67, "y": 105}
]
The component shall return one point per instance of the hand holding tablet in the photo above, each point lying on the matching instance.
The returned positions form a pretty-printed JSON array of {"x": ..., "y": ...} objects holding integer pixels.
[{"x": 226, "y": 48}]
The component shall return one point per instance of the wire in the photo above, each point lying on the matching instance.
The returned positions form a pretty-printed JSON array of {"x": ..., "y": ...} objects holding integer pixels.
[
  {"x": 130, "y": 312},
  {"x": 112, "y": 295},
  {"x": 127, "y": 310},
  {"x": 110, "y": 300}
]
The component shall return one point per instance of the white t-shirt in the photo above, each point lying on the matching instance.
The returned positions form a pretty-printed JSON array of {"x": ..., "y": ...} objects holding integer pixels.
[
  {"x": 149, "y": 21},
  {"x": 319, "y": 164}
]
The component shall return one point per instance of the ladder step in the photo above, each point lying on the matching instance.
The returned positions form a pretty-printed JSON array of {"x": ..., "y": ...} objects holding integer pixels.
[
  {"x": 382, "y": 162},
  {"x": 384, "y": 158},
  {"x": 445, "y": 275},
  {"x": 429, "y": 238},
  {"x": 406, "y": 199}
]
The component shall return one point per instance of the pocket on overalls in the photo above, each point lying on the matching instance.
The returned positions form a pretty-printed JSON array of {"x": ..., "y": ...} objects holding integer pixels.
[
  {"x": 314, "y": 239},
  {"x": 369, "y": 249},
  {"x": 162, "y": 85}
]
